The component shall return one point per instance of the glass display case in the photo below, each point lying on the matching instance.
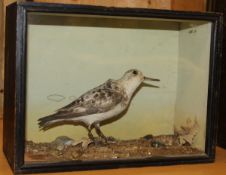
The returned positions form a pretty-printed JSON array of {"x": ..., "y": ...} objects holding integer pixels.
[{"x": 94, "y": 87}]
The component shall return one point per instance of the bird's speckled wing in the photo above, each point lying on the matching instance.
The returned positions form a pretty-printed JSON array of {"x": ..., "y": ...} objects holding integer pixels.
[{"x": 97, "y": 100}]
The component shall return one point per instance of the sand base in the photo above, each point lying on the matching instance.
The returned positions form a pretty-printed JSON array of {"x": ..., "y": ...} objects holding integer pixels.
[{"x": 117, "y": 149}]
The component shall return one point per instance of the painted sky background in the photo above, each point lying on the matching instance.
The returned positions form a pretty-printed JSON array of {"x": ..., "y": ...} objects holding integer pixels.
[{"x": 70, "y": 60}]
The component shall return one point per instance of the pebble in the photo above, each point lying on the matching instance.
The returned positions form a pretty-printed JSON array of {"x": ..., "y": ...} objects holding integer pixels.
[
  {"x": 148, "y": 137},
  {"x": 35, "y": 151},
  {"x": 75, "y": 155},
  {"x": 62, "y": 140},
  {"x": 60, "y": 147}
]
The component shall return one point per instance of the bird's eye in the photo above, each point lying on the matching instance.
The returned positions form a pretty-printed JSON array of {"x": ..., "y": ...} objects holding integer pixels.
[{"x": 135, "y": 72}]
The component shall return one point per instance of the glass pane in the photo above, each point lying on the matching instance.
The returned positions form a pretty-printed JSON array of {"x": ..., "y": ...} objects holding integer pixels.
[{"x": 87, "y": 73}]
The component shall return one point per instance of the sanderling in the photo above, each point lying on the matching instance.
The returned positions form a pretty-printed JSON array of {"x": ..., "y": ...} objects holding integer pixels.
[{"x": 99, "y": 104}]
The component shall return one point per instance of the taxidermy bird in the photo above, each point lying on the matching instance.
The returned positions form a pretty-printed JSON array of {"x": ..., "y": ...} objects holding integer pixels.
[{"x": 99, "y": 104}]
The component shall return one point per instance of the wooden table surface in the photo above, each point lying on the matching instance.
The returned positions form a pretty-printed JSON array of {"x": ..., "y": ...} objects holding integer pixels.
[{"x": 217, "y": 168}]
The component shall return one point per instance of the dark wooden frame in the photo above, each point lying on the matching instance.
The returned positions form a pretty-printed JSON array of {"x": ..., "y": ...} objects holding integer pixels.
[
  {"x": 219, "y": 6},
  {"x": 15, "y": 85}
]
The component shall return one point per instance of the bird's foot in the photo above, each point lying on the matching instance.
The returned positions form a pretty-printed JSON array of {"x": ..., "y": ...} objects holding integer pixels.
[
  {"x": 100, "y": 141},
  {"x": 111, "y": 139},
  {"x": 108, "y": 140}
]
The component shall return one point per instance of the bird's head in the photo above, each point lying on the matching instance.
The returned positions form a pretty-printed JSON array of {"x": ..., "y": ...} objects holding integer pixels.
[{"x": 133, "y": 78}]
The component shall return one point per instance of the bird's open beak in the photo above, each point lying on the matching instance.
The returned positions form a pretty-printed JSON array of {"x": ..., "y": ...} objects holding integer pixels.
[{"x": 151, "y": 79}]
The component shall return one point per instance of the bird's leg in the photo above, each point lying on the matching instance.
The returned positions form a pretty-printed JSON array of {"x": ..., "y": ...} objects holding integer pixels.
[
  {"x": 101, "y": 135},
  {"x": 99, "y": 132},
  {"x": 91, "y": 137}
]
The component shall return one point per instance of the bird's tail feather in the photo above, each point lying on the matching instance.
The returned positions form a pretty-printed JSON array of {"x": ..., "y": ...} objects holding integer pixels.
[
  {"x": 48, "y": 121},
  {"x": 45, "y": 122}
]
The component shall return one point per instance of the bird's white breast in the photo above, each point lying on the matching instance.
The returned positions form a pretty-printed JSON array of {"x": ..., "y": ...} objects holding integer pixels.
[{"x": 99, "y": 117}]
